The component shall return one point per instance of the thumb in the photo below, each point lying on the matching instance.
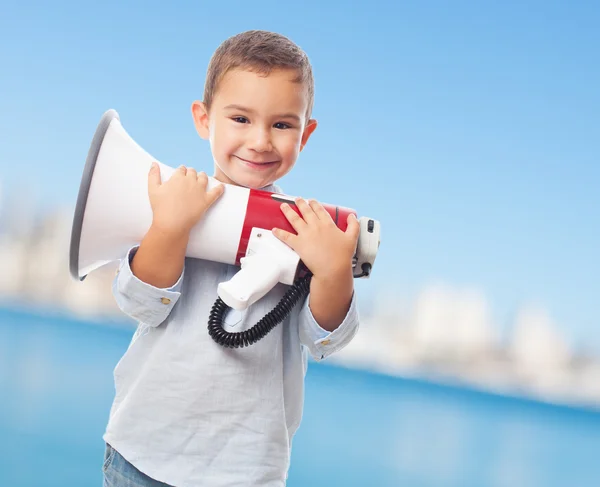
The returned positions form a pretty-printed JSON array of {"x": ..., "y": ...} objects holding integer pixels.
[
  {"x": 353, "y": 229},
  {"x": 153, "y": 177}
]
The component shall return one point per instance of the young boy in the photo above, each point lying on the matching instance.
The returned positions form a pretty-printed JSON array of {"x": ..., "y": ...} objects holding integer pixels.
[{"x": 187, "y": 411}]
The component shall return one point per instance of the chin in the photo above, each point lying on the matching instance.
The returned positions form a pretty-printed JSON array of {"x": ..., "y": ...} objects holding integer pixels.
[
  {"x": 248, "y": 181},
  {"x": 257, "y": 184},
  {"x": 252, "y": 179}
]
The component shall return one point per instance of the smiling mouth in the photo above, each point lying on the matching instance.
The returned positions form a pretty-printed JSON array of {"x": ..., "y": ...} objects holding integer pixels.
[{"x": 257, "y": 163}]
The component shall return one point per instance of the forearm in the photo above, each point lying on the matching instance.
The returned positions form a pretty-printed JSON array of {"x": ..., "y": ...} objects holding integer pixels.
[
  {"x": 330, "y": 298},
  {"x": 160, "y": 258}
]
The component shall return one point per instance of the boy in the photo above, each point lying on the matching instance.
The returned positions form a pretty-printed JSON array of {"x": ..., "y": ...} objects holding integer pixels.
[{"x": 188, "y": 412}]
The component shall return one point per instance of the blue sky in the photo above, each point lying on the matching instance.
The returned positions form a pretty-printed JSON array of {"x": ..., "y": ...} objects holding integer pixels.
[{"x": 469, "y": 130}]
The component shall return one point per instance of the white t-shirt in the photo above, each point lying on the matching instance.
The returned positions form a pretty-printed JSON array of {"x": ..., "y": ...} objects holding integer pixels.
[{"x": 191, "y": 413}]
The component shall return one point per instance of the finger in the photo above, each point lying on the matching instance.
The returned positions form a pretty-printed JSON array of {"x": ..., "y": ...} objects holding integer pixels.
[
  {"x": 214, "y": 194},
  {"x": 353, "y": 229},
  {"x": 191, "y": 172},
  {"x": 182, "y": 170},
  {"x": 321, "y": 213},
  {"x": 306, "y": 210},
  {"x": 153, "y": 177},
  {"x": 286, "y": 237},
  {"x": 202, "y": 178},
  {"x": 295, "y": 220}
]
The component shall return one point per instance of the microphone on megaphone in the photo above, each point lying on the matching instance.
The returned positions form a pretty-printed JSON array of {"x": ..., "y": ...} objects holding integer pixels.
[{"x": 113, "y": 214}]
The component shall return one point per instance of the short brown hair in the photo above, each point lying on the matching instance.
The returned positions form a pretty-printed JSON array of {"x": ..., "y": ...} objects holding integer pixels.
[{"x": 259, "y": 51}]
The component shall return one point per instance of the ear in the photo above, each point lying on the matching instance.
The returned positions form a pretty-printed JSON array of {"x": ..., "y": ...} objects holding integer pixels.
[
  {"x": 200, "y": 116},
  {"x": 311, "y": 125}
]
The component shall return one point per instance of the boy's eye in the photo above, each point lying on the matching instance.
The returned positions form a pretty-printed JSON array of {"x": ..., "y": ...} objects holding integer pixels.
[
  {"x": 240, "y": 119},
  {"x": 281, "y": 125}
]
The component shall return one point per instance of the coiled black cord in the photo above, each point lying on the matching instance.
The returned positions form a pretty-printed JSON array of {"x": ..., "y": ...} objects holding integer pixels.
[{"x": 245, "y": 338}]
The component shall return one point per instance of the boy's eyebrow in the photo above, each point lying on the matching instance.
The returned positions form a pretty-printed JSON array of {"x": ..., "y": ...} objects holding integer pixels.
[{"x": 241, "y": 108}]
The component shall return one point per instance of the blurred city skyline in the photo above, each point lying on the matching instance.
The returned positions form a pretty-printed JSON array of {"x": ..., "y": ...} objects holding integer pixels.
[
  {"x": 442, "y": 333},
  {"x": 469, "y": 131}
]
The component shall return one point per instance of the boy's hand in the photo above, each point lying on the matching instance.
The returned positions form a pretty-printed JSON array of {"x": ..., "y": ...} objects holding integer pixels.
[
  {"x": 180, "y": 202},
  {"x": 326, "y": 250}
]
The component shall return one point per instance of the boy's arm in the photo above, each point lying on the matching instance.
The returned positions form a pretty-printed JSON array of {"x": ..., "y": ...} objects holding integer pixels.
[
  {"x": 149, "y": 280},
  {"x": 329, "y": 319},
  {"x": 145, "y": 291},
  {"x": 139, "y": 300},
  {"x": 330, "y": 298},
  {"x": 160, "y": 258}
]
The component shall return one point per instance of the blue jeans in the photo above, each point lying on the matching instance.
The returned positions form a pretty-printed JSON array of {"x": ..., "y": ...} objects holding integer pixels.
[{"x": 118, "y": 472}]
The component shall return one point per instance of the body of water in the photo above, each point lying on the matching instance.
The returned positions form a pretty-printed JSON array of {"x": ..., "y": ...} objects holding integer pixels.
[{"x": 359, "y": 428}]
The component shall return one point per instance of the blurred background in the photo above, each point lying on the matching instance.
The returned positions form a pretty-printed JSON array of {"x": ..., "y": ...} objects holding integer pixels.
[{"x": 469, "y": 129}]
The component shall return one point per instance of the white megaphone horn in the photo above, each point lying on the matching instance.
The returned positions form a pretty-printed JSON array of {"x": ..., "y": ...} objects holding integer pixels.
[{"x": 113, "y": 214}]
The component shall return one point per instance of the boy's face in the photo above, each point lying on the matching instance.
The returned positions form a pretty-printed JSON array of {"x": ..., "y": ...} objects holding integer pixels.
[{"x": 256, "y": 126}]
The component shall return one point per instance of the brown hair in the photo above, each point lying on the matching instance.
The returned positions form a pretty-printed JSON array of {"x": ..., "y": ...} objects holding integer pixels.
[{"x": 259, "y": 51}]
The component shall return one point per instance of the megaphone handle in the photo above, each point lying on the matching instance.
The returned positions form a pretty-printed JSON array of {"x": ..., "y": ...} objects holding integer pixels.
[{"x": 257, "y": 276}]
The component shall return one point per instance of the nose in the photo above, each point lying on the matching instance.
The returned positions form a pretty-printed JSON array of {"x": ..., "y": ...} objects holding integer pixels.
[{"x": 260, "y": 140}]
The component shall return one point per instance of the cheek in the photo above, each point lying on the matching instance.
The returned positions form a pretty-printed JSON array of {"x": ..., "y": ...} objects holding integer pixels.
[
  {"x": 213, "y": 129},
  {"x": 223, "y": 141},
  {"x": 291, "y": 146}
]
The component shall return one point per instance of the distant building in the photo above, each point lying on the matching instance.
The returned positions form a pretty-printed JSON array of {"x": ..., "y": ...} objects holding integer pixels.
[
  {"x": 34, "y": 258},
  {"x": 444, "y": 334}
]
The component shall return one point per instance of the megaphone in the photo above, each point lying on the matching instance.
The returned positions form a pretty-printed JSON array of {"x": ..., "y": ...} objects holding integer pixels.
[{"x": 113, "y": 214}]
